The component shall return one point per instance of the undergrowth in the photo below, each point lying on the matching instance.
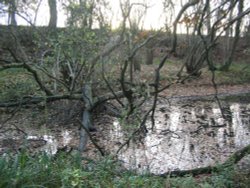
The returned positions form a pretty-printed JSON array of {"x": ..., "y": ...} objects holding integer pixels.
[{"x": 24, "y": 170}]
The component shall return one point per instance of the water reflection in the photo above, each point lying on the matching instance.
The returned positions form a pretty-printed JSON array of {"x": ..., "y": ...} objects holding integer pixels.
[
  {"x": 52, "y": 142},
  {"x": 188, "y": 136}
]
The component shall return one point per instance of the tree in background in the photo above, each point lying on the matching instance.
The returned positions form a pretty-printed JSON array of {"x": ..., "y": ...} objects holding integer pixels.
[
  {"x": 236, "y": 36},
  {"x": 53, "y": 13},
  {"x": 28, "y": 10},
  {"x": 12, "y": 12},
  {"x": 221, "y": 18},
  {"x": 87, "y": 13},
  {"x": 12, "y": 8}
]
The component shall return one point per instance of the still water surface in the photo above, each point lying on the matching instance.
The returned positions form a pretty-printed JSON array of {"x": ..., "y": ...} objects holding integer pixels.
[{"x": 187, "y": 136}]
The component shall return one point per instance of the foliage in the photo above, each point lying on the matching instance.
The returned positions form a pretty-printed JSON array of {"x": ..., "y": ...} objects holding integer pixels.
[{"x": 24, "y": 170}]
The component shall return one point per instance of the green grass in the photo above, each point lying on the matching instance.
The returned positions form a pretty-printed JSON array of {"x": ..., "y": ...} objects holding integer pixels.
[
  {"x": 16, "y": 83},
  {"x": 238, "y": 73},
  {"x": 23, "y": 170}
]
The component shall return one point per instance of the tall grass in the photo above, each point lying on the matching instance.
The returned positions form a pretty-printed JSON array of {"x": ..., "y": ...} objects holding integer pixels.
[{"x": 23, "y": 170}]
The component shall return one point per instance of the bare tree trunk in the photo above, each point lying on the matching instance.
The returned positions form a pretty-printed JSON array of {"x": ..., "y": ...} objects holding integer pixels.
[
  {"x": 137, "y": 63},
  {"x": 149, "y": 56},
  {"x": 36, "y": 11},
  {"x": 229, "y": 60},
  {"x": 228, "y": 35},
  {"x": 87, "y": 117},
  {"x": 53, "y": 13},
  {"x": 12, "y": 12},
  {"x": 208, "y": 21}
]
